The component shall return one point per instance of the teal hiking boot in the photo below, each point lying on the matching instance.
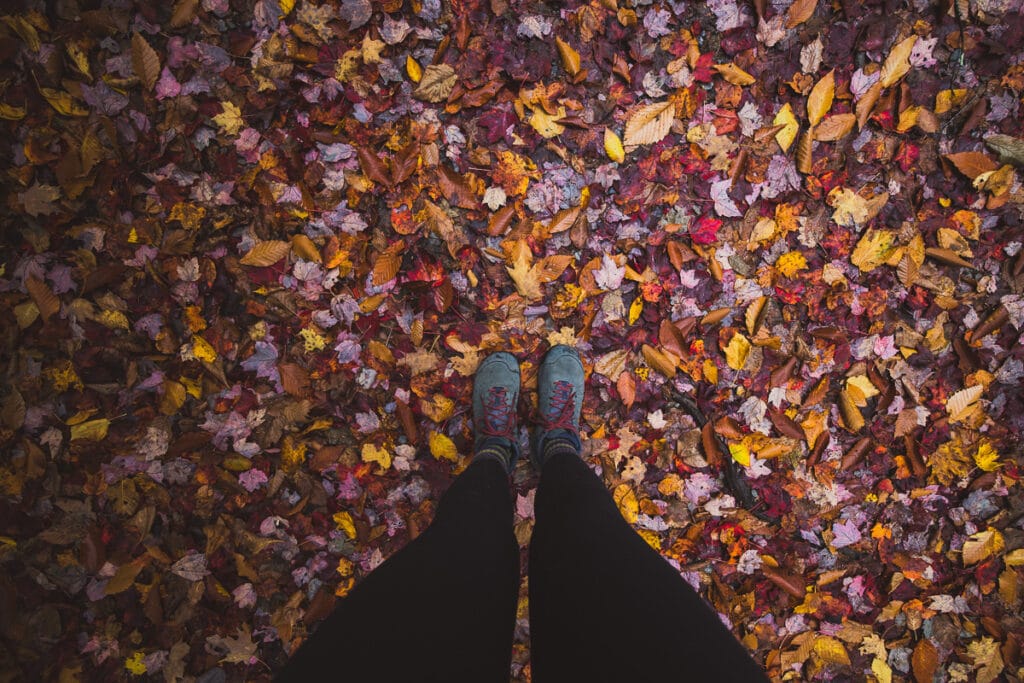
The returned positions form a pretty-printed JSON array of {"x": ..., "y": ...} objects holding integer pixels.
[
  {"x": 559, "y": 403},
  {"x": 495, "y": 403}
]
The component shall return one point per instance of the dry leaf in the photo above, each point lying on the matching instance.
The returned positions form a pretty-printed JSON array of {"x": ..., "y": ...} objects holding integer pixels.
[
  {"x": 385, "y": 268},
  {"x": 570, "y": 57},
  {"x": 925, "y": 661},
  {"x": 790, "y": 127},
  {"x": 972, "y": 164},
  {"x": 1010, "y": 149},
  {"x": 436, "y": 84},
  {"x": 982, "y": 545},
  {"x": 866, "y": 104},
  {"x": 804, "y": 162},
  {"x": 734, "y": 74},
  {"x": 799, "y": 12},
  {"x": 46, "y": 301},
  {"x": 266, "y": 253},
  {"x": 963, "y": 403},
  {"x": 648, "y": 124},
  {"x": 874, "y": 248},
  {"x": 835, "y": 127},
  {"x": 145, "y": 61},
  {"x": 304, "y": 248},
  {"x": 737, "y": 351},
  {"x": 820, "y": 100},
  {"x": 897, "y": 64},
  {"x": 613, "y": 146},
  {"x": 660, "y": 361}
]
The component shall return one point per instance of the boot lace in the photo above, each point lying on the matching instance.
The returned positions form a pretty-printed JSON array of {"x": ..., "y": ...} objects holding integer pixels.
[
  {"x": 498, "y": 414},
  {"x": 561, "y": 412}
]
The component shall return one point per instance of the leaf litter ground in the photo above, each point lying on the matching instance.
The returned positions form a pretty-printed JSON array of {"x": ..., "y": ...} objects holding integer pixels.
[{"x": 254, "y": 251}]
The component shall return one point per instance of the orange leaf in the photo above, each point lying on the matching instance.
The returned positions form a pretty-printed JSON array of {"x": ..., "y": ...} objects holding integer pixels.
[
  {"x": 627, "y": 388},
  {"x": 46, "y": 301},
  {"x": 972, "y": 164},
  {"x": 799, "y": 12},
  {"x": 145, "y": 61}
]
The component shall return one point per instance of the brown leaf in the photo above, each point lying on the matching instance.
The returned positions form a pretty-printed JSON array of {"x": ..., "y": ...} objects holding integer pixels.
[
  {"x": 627, "y": 388},
  {"x": 563, "y": 220},
  {"x": 834, "y": 127},
  {"x": 799, "y": 12},
  {"x": 436, "y": 84},
  {"x": 501, "y": 220},
  {"x": 660, "y": 361},
  {"x": 294, "y": 379},
  {"x": 405, "y": 163},
  {"x": 852, "y": 418},
  {"x": 183, "y": 13},
  {"x": 441, "y": 223},
  {"x": 385, "y": 268},
  {"x": 971, "y": 164},
  {"x": 648, "y": 124},
  {"x": 373, "y": 167},
  {"x": 924, "y": 661},
  {"x": 550, "y": 268},
  {"x": 46, "y": 301},
  {"x": 947, "y": 256},
  {"x": 145, "y": 61},
  {"x": 266, "y": 253},
  {"x": 454, "y": 188},
  {"x": 804, "y": 162}
]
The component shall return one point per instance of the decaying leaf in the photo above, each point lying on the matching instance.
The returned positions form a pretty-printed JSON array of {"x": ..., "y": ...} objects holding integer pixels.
[{"x": 436, "y": 83}]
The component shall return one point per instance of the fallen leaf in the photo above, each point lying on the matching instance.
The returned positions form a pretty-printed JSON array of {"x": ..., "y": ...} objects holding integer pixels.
[
  {"x": 897, "y": 63},
  {"x": 266, "y": 253},
  {"x": 790, "y": 127},
  {"x": 648, "y": 124}
]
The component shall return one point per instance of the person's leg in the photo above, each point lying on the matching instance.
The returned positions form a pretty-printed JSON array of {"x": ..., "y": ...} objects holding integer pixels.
[
  {"x": 444, "y": 607},
  {"x": 605, "y": 606},
  {"x": 441, "y": 609}
]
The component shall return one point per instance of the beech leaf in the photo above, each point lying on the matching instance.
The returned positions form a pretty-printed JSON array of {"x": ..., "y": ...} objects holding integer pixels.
[{"x": 648, "y": 124}]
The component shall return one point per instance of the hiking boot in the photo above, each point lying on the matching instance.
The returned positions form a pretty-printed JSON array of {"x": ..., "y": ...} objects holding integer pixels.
[
  {"x": 559, "y": 402},
  {"x": 495, "y": 402}
]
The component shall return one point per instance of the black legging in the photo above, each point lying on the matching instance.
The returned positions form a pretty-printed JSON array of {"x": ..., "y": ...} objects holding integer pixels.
[{"x": 604, "y": 606}]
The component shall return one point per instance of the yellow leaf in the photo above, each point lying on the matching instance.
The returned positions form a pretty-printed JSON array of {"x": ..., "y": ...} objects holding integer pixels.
[
  {"x": 663, "y": 362},
  {"x": 945, "y": 100},
  {"x": 873, "y": 249},
  {"x": 547, "y": 124},
  {"x": 733, "y": 74},
  {"x": 789, "y": 264},
  {"x": 266, "y": 253},
  {"x": 376, "y": 454},
  {"x": 635, "y": 309},
  {"x": 286, "y": 6},
  {"x": 648, "y": 124},
  {"x": 982, "y": 545},
  {"x": 522, "y": 273},
  {"x": 11, "y": 113},
  {"x": 92, "y": 430},
  {"x": 62, "y": 102},
  {"x": 897, "y": 64},
  {"x": 881, "y": 669},
  {"x": 625, "y": 499},
  {"x": 345, "y": 523},
  {"x": 830, "y": 650},
  {"x": 413, "y": 68},
  {"x": 230, "y": 119},
  {"x": 737, "y": 351},
  {"x": 613, "y": 146},
  {"x": 787, "y": 135},
  {"x": 987, "y": 457},
  {"x": 740, "y": 453},
  {"x": 908, "y": 119},
  {"x": 1015, "y": 558},
  {"x": 570, "y": 57},
  {"x": 135, "y": 665},
  {"x": 865, "y": 389},
  {"x": 820, "y": 99},
  {"x": 173, "y": 397},
  {"x": 443, "y": 448}
]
